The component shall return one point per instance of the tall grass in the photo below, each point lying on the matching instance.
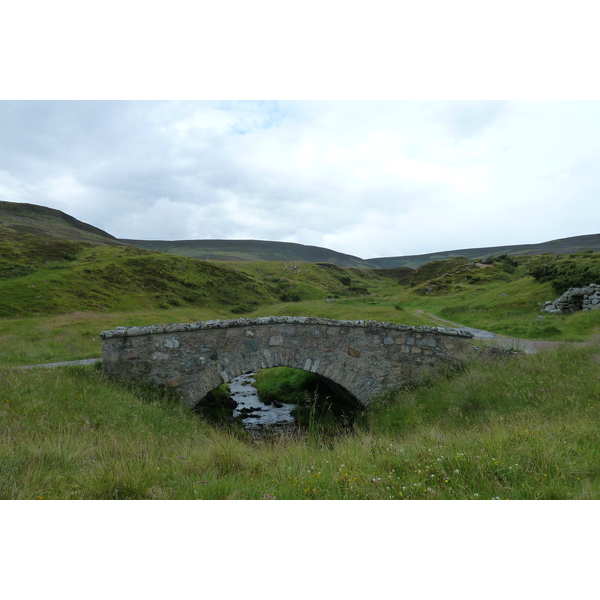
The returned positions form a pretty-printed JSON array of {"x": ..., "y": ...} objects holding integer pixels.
[
  {"x": 76, "y": 335},
  {"x": 523, "y": 427}
]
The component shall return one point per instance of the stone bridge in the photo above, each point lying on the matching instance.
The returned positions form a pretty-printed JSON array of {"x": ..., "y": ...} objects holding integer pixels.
[{"x": 360, "y": 359}]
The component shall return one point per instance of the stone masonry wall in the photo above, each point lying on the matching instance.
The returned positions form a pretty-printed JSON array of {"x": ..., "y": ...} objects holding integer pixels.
[
  {"x": 366, "y": 358},
  {"x": 574, "y": 299}
]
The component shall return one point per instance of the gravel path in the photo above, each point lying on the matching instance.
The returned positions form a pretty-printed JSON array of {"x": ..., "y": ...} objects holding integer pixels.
[
  {"x": 528, "y": 346},
  {"x": 64, "y": 363}
]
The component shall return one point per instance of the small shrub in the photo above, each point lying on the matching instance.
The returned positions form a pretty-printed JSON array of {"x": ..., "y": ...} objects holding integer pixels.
[{"x": 290, "y": 297}]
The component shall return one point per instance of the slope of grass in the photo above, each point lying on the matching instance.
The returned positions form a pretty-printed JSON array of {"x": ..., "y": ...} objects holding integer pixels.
[
  {"x": 506, "y": 307},
  {"x": 518, "y": 428},
  {"x": 502, "y": 297},
  {"x": 48, "y": 275},
  {"x": 121, "y": 278},
  {"x": 58, "y": 265},
  {"x": 76, "y": 335}
]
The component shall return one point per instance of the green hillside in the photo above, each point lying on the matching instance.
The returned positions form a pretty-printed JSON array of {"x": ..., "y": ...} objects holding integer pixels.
[
  {"x": 31, "y": 219},
  {"x": 509, "y": 425},
  {"x": 51, "y": 263},
  {"x": 62, "y": 266}
]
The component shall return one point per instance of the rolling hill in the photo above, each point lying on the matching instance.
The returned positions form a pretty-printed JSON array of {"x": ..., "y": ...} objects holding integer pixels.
[
  {"x": 38, "y": 224},
  {"x": 561, "y": 246},
  {"x": 31, "y": 219},
  {"x": 251, "y": 250},
  {"x": 256, "y": 250},
  {"x": 51, "y": 263}
]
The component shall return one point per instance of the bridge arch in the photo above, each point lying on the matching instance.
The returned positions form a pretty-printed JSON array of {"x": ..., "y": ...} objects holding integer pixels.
[
  {"x": 362, "y": 358},
  {"x": 331, "y": 376}
]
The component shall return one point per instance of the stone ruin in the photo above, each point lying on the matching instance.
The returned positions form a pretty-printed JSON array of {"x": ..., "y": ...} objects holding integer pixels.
[{"x": 574, "y": 299}]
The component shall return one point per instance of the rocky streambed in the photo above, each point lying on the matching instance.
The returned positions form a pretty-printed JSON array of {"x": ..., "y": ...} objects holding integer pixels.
[{"x": 256, "y": 415}]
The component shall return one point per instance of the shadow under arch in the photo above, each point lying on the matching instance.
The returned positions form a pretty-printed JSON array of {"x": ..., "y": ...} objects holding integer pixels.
[{"x": 219, "y": 372}]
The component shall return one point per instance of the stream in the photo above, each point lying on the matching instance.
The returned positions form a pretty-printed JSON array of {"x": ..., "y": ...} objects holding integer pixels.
[{"x": 257, "y": 416}]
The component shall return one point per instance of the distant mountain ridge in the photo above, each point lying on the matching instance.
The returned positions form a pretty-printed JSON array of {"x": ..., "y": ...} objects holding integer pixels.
[
  {"x": 21, "y": 218},
  {"x": 242, "y": 250},
  {"x": 251, "y": 250},
  {"x": 561, "y": 246}
]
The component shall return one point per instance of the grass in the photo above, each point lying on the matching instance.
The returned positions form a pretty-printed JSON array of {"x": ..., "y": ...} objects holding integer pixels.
[
  {"x": 48, "y": 275},
  {"x": 519, "y": 428},
  {"x": 74, "y": 336},
  {"x": 524, "y": 427},
  {"x": 504, "y": 307}
]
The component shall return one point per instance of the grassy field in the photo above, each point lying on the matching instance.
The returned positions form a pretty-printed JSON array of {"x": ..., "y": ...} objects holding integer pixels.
[
  {"x": 509, "y": 427},
  {"x": 519, "y": 427}
]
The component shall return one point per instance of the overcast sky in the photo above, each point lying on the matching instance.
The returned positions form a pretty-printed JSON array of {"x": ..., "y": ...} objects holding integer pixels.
[{"x": 365, "y": 178}]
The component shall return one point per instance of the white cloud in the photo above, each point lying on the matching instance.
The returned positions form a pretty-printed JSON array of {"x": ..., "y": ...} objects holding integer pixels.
[{"x": 365, "y": 178}]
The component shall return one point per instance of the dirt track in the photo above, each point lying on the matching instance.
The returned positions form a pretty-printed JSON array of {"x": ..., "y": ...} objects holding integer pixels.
[
  {"x": 501, "y": 340},
  {"x": 64, "y": 363}
]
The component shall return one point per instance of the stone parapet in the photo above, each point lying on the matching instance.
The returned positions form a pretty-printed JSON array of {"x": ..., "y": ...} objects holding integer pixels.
[{"x": 225, "y": 324}]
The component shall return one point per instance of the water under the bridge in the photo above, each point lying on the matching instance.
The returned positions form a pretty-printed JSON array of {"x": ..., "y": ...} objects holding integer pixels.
[
  {"x": 255, "y": 414},
  {"x": 313, "y": 403}
]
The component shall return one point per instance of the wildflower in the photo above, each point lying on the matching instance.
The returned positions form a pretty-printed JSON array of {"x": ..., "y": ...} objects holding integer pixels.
[
  {"x": 375, "y": 479},
  {"x": 456, "y": 471}
]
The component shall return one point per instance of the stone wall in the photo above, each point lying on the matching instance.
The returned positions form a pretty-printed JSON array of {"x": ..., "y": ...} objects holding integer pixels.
[
  {"x": 366, "y": 358},
  {"x": 574, "y": 299}
]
